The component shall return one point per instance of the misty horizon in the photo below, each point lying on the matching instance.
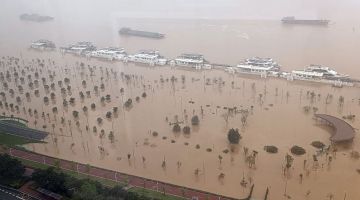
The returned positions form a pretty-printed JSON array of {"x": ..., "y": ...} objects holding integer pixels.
[{"x": 186, "y": 9}]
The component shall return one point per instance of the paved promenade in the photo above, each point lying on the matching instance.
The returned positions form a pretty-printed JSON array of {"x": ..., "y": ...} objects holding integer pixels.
[{"x": 135, "y": 181}]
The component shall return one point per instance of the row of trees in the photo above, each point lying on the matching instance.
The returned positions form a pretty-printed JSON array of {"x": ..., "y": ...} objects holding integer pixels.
[{"x": 54, "y": 180}]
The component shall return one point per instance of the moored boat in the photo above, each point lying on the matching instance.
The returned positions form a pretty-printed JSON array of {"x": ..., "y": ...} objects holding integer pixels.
[
  {"x": 196, "y": 61},
  {"x": 43, "y": 45},
  {"x": 80, "y": 48},
  {"x": 320, "y": 74},
  {"x": 150, "y": 57},
  {"x": 109, "y": 53},
  {"x": 258, "y": 66}
]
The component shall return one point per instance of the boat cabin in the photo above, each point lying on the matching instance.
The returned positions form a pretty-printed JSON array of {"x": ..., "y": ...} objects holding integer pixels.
[{"x": 43, "y": 45}]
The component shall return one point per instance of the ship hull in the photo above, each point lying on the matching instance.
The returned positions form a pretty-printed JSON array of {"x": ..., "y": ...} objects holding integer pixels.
[
  {"x": 307, "y": 22},
  {"x": 146, "y": 34}
]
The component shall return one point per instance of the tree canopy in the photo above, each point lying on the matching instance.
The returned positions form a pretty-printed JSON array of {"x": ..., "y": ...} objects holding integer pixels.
[
  {"x": 11, "y": 170},
  {"x": 234, "y": 136}
]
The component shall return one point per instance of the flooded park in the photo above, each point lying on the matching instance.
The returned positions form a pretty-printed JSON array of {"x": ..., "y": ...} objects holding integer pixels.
[
  {"x": 214, "y": 129},
  {"x": 140, "y": 120}
]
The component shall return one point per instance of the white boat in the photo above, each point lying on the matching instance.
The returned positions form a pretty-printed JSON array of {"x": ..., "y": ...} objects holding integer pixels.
[
  {"x": 109, "y": 53},
  {"x": 150, "y": 57},
  {"x": 306, "y": 75},
  {"x": 318, "y": 72},
  {"x": 258, "y": 66},
  {"x": 80, "y": 48},
  {"x": 43, "y": 45},
  {"x": 191, "y": 60},
  {"x": 327, "y": 72}
]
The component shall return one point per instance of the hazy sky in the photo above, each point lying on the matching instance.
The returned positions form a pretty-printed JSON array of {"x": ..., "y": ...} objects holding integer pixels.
[{"x": 244, "y": 9}]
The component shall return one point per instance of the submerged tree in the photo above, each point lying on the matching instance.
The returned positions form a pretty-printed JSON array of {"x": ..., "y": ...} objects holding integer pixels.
[
  {"x": 234, "y": 136},
  {"x": 111, "y": 137},
  {"x": 75, "y": 114},
  {"x": 109, "y": 115},
  {"x": 186, "y": 130},
  {"x": 195, "y": 120},
  {"x": 176, "y": 128}
]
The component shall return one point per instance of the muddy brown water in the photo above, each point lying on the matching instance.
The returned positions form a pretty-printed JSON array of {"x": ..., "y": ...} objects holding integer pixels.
[
  {"x": 280, "y": 120},
  {"x": 277, "y": 119}
]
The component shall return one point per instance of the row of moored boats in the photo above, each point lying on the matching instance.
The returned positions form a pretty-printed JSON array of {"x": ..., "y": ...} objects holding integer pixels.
[{"x": 263, "y": 67}]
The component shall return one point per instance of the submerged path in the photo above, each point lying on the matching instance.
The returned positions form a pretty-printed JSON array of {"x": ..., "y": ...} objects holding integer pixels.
[
  {"x": 132, "y": 180},
  {"x": 343, "y": 130}
]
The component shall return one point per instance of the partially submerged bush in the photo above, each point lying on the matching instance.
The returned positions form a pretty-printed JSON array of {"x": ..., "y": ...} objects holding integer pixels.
[
  {"x": 271, "y": 149},
  {"x": 186, "y": 130},
  {"x": 234, "y": 136},
  {"x": 176, "y": 128},
  {"x": 195, "y": 120},
  {"x": 296, "y": 150},
  {"x": 318, "y": 144}
]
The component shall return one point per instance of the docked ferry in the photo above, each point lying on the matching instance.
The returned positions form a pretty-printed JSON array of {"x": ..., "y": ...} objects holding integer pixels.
[
  {"x": 258, "y": 66},
  {"x": 109, "y": 53},
  {"x": 43, "y": 45},
  {"x": 80, "y": 48},
  {"x": 318, "y": 72},
  {"x": 191, "y": 60},
  {"x": 150, "y": 57}
]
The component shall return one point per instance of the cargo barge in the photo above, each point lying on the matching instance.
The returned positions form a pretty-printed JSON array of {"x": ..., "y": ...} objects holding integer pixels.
[
  {"x": 131, "y": 32},
  {"x": 293, "y": 20},
  {"x": 35, "y": 18}
]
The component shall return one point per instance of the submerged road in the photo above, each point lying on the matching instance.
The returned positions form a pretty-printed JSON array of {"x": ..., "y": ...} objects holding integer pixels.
[{"x": 135, "y": 181}]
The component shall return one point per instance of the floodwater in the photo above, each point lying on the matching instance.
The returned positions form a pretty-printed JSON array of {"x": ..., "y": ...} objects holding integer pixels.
[{"x": 276, "y": 106}]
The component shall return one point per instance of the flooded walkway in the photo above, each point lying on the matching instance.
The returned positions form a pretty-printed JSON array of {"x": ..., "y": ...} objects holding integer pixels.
[
  {"x": 343, "y": 130},
  {"x": 135, "y": 181}
]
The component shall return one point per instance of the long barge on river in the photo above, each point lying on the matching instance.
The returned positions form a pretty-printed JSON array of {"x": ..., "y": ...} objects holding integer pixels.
[
  {"x": 293, "y": 20},
  {"x": 130, "y": 32}
]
